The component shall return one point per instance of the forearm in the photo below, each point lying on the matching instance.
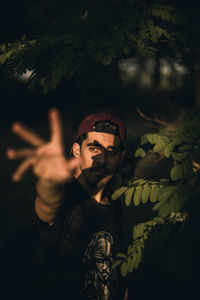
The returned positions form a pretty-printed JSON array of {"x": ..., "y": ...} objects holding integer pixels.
[{"x": 48, "y": 200}]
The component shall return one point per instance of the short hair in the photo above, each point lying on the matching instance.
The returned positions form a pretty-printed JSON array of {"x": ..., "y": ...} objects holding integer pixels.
[{"x": 85, "y": 135}]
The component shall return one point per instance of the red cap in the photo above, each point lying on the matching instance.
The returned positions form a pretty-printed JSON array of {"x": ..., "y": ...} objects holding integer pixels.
[{"x": 88, "y": 125}]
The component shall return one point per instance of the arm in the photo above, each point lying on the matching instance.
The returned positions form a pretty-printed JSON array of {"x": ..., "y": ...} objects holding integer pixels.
[
  {"x": 48, "y": 200},
  {"x": 48, "y": 163}
]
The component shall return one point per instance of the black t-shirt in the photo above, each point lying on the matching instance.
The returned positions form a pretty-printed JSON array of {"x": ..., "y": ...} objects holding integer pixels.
[{"x": 78, "y": 249}]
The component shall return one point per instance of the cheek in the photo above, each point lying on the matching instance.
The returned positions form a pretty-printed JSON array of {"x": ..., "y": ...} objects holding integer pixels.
[
  {"x": 114, "y": 164},
  {"x": 86, "y": 160}
]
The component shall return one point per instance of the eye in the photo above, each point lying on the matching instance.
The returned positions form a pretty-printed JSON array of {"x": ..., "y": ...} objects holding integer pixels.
[
  {"x": 112, "y": 152},
  {"x": 93, "y": 149}
]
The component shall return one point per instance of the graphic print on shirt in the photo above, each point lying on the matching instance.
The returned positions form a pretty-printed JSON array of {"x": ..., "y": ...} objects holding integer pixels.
[{"x": 98, "y": 264}]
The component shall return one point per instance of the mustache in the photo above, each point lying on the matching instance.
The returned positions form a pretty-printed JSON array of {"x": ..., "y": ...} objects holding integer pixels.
[{"x": 100, "y": 169}]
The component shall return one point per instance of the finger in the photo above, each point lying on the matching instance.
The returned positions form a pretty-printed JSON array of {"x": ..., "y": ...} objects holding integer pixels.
[
  {"x": 55, "y": 126},
  {"x": 22, "y": 169},
  {"x": 27, "y": 135},
  {"x": 19, "y": 154}
]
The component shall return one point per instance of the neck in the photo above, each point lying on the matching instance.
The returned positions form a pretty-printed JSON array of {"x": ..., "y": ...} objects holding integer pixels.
[{"x": 94, "y": 191}]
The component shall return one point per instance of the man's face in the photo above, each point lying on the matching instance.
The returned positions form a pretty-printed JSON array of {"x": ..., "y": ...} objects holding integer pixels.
[{"x": 100, "y": 156}]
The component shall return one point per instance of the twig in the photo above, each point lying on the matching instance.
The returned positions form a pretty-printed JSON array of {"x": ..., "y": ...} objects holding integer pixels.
[{"x": 155, "y": 120}]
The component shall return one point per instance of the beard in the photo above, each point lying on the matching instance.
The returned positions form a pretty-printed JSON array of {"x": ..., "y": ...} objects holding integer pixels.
[{"x": 96, "y": 180}]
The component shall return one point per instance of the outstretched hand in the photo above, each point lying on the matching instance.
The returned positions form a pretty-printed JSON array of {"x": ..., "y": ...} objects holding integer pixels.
[{"x": 47, "y": 159}]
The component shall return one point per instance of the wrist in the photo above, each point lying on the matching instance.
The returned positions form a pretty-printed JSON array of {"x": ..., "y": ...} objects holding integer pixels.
[{"x": 49, "y": 192}]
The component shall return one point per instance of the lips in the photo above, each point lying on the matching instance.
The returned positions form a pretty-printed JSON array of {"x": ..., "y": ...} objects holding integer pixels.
[{"x": 99, "y": 171}]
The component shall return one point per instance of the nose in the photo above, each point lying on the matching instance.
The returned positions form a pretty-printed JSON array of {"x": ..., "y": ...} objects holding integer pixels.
[{"x": 101, "y": 158}]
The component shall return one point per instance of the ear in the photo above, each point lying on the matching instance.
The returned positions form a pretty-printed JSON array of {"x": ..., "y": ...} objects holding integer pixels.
[{"x": 76, "y": 150}]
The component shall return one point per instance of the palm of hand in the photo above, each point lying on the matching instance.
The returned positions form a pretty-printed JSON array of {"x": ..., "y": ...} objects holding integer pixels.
[{"x": 47, "y": 159}]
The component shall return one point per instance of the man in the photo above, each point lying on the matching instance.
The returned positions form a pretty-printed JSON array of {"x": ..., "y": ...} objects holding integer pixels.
[{"x": 79, "y": 224}]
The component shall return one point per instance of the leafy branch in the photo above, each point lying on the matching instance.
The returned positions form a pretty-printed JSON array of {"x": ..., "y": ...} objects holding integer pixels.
[{"x": 171, "y": 197}]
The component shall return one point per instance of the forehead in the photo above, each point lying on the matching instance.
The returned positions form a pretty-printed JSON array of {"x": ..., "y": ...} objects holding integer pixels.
[{"x": 105, "y": 139}]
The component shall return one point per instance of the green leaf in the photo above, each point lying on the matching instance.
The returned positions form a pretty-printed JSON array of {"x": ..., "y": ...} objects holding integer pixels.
[
  {"x": 126, "y": 50},
  {"x": 164, "y": 180},
  {"x": 106, "y": 60},
  {"x": 185, "y": 147},
  {"x": 146, "y": 192},
  {"x": 164, "y": 210},
  {"x": 137, "y": 196},
  {"x": 3, "y": 48},
  {"x": 188, "y": 139},
  {"x": 129, "y": 195},
  {"x": 151, "y": 138},
  {"x": 160, "y": 142},
  {"x": 159, "y": 220},
  {"x": 140, "y": 152},
  {"x": 178, "y": 140},
  {"x": 119, "y": 192},
  {"x": 131, "y": 36},
  {"x": 154, "y": 193},
  {"x": 152, "y": 48},
  {"x": 121, "y": 255},
  {"x": 98, "y": 57},
  {"x": 134, "y": 261},
  {"x": 138, "y": 230},
  {"x": 166, "y": 193},
  {"x": 176, "y": 172},
  {"x": 3, "y": 58},
  {"x": 131, "y": 264},
  {"x": 174, "y": 203},
  {"x": 42, "y": 81},
  {"x": 124, "y": 269},
  {"x": 138, "y": 256},
  {"x": 139, "y": 181},
  {"x": 169, "y": 149},
  {"x": 179, "y": 156},
  {"x": 116, "y": 263},
  {"x": 159, "y": 147}
]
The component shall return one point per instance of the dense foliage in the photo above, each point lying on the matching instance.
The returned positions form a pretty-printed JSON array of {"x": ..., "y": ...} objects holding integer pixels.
[
  {"x": 129, "y": 29},
  {"x": 175, "y": 199}
]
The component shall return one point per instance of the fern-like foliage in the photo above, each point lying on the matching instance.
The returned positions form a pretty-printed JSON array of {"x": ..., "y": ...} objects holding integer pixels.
[
  {"x": 129, "y": 30},
  {"x": 171, "y": 197}
]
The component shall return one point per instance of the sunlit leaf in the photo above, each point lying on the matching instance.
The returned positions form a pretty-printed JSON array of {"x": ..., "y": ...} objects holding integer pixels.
[
  {"x": 140, "y": 152},
  {"x": 176, "y": 172},
  {"x": 169, "y": 149},
  {"x": 116, "y": 264},
  {"x": 124, "y": 269},
  {"x": 119, "y": 192},
  {"x": 121, "y": 255},
  {"x": 154, "y": 193},
  {"x": 146, "y": 193},
  {"x": 178, "y": 156},
  {"x": 138, "y": 230},
  {"x": 137, "y": 196},
  {"x": 167, "y": 192},
  {"x": 129, "y": 195}
]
